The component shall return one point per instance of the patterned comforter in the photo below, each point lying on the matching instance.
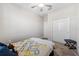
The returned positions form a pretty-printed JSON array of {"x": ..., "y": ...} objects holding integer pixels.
[{"x": 34, "y": 47}]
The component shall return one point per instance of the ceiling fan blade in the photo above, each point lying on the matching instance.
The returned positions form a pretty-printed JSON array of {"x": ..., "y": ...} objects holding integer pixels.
[
  {"x": 33, "y": 6},
  {"x": 48, "y": 5}
]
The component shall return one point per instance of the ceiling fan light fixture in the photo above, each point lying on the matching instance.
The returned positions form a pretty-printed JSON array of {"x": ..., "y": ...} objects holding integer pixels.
[{"x": 41, "y": 5}]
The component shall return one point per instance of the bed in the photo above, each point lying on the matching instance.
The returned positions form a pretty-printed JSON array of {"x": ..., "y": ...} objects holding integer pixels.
[{"x": 34, "y": 47}]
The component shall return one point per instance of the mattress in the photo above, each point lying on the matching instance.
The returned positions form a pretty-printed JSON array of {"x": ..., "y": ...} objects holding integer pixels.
[{"x": 34, "y": 47}]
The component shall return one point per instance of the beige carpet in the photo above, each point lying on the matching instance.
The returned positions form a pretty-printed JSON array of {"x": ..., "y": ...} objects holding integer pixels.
[{"x": 61, "y": 50}]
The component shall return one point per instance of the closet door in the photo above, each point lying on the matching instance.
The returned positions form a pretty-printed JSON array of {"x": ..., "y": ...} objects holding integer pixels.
[{"x": 61, "y": 29}]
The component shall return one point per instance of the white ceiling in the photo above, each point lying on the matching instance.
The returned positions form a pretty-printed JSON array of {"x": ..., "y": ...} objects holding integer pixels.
[{"x": 56, "y": 6}]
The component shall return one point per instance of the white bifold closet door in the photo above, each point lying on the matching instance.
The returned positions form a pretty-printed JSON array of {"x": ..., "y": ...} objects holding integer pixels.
[{"x": 61, "y": 29}]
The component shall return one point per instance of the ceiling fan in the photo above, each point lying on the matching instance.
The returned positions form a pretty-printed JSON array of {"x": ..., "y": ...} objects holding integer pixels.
[{"x": 42, "y": 6}]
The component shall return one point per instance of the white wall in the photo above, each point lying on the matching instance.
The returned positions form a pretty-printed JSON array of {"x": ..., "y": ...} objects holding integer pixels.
[
  {"x": 45, "y": 26},
  {"x": 17, "y": 23}
]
